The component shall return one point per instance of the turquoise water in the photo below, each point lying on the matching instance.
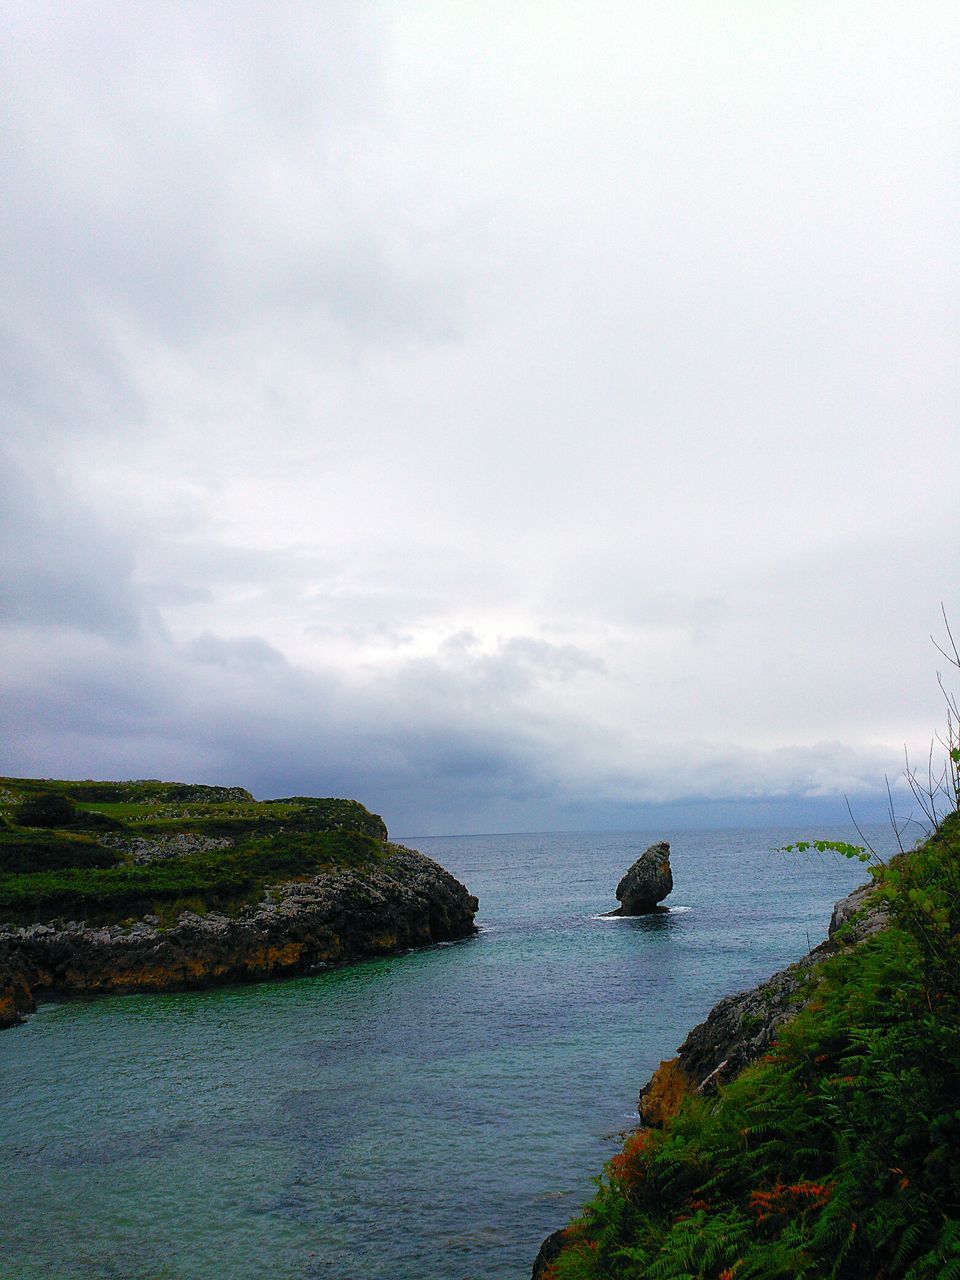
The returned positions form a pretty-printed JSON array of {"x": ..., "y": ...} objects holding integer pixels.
[{"x": 426, "y": 1117}]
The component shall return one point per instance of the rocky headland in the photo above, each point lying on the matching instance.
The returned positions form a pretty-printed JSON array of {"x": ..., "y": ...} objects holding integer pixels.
[{"x": 192, "y": 891}]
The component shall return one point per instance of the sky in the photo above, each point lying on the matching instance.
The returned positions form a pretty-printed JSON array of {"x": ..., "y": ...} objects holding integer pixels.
[{"x": 514, "y": 417}]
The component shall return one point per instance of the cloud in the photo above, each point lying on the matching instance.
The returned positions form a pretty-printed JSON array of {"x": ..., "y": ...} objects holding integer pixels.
[
  {"x": 457, "y": 739},
  {"x": 250, "y": 653},
  {"x": 501, "y": 415},
  {"x": 60, "y": 565}
]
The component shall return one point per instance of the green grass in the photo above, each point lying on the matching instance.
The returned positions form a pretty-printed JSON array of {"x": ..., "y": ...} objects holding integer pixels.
[
  {"x": 218, "y": 878},
  {"x": 78, "y": 862},
  {"x": 142, "y": 791},
  {"x": 835, "y": 1156},
  {"x": 164, "y": 806}
]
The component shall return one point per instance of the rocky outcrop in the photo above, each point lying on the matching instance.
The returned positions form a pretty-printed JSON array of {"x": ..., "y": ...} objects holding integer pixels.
[
  {"x": 162, "y": 848},
  {"x": 739, "y": 1030},
  {"x": 736, "y": 1032},
  {"x": 405, "y": 901},
  {"x": 661, "y": 1096},
  {"x": 742, "y": 1027},
  {"x": 647, "y": 882},
  {"x": 550, "y": 1250},
  {"x": 858, "y": 915}
]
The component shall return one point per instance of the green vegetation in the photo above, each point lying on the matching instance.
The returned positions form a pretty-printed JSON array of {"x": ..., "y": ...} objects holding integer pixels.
[
  {"x": 852, "y": 851},
  {"x": 46, "y": 809},
  {"x": 27, "y": 851},
  {"x": 836, "y": 1155},
  {"x": 107, "y": 851}
]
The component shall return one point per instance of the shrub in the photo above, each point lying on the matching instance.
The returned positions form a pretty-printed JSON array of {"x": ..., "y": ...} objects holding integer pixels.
[
  {"x": 21, "y": 852},
  {"x": 47, "y": 809}
]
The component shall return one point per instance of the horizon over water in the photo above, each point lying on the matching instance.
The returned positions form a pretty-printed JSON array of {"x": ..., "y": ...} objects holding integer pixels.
[{"x": 429, "y": 1116}]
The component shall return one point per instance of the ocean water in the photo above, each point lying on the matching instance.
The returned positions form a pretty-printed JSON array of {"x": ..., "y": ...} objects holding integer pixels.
[{"x": 427, "y": 1117}]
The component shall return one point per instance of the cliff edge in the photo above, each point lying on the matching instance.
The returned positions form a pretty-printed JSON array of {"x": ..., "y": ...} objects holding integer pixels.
[
  {"x": 121, "y": 887},
  {"x": 741, "y": 1028}
]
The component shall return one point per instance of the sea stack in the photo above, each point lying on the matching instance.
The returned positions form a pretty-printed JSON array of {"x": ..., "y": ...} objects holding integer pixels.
[{"x": 647, "y": 882}]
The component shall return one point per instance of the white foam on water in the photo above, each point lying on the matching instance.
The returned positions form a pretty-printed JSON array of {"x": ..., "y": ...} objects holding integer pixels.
[{"x": 606, "y": 918}]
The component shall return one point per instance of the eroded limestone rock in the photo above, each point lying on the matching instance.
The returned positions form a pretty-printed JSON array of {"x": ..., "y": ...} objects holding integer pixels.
[
  {"x": 406, "y": 901},
  {"x": 647, "y": 882}
]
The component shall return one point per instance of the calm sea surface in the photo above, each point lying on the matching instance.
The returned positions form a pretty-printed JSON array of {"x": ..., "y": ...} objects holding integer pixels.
[{"x": 428, "y": 1117}]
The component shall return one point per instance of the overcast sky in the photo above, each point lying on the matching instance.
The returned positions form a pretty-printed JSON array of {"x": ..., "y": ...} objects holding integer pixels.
[{"x": 514, "y": 416}]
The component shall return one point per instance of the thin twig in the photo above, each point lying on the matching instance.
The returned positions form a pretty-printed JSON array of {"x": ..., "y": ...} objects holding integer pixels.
[
  {"x": 893, "y": 817},
  {"x": 867, "y": 844},
  {"x": 955, "y": 659}
]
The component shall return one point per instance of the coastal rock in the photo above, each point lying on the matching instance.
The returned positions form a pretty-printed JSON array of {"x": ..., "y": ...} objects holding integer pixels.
[
  {"x": 662, "y": 1094},
  {"x": 647, "y": 882},
  {"x": 551, "y": 1249},
  {"x": 859, "y": 914},
  {"x": 406, "y": 901},
  {"x": 742, "y": 1027},
  {"x": 738, "y": 1030},
  {"x": 16, "y": 996}
]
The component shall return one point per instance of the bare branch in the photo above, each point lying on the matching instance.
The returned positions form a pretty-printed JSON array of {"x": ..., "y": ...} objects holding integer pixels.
[
  {"x": 897, "y": 831},
  {"x": 919, "y": 794},
  {"x": 866, "y": 842},
  {"x": 955, "y": 658}
]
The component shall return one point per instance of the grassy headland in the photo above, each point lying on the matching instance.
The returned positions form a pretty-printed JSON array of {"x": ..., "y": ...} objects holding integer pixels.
[
  {"x": 106, "y": 851},
  {"x": 152, "y": 886}
]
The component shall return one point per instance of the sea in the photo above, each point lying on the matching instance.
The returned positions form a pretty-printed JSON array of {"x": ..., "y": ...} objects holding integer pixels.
[{"x": 431, "y": 1116}]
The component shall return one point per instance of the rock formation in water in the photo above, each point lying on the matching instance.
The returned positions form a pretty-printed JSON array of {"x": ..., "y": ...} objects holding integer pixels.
[
  {"x": 647, "y": 882},
  {"x": 277, "y": 888},
  {"x": 550, "y": 1250}
]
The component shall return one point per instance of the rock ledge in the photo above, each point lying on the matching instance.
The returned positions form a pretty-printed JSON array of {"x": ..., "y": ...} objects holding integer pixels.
[{"x": 742, "y": 1027}]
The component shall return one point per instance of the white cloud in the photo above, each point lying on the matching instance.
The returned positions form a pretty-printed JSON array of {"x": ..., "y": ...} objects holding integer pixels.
[{"x": 481, "y": 402}]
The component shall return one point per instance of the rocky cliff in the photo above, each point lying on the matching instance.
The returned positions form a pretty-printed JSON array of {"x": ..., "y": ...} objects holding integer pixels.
[
  {"x": 408, "y": 901},
  {"x": 739, "y": 1030},
  {"x": 235, "y": 892}
]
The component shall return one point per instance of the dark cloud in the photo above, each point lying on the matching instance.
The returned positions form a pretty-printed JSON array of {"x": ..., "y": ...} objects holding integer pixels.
[{"x": 438, "y": 749}]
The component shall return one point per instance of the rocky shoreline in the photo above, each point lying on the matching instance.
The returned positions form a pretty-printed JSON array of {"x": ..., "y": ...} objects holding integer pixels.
[
  {"x": 739, "y": 1030},
  {"x": 405, "y": 901}
]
